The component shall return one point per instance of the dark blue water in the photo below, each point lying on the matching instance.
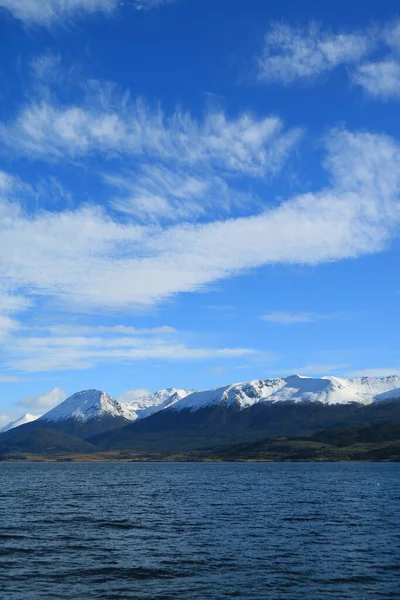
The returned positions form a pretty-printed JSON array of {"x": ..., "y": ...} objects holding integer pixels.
[{"x": 199, "y": 531}]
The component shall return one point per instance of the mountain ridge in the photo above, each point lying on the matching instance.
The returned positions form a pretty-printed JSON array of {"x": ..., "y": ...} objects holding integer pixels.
[
  {"x": 295, "y": 388},
  {"x": 226, "y": 411}
]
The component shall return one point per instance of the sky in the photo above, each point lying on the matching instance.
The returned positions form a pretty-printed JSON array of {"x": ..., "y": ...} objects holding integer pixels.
[{"x": 195, "y": 193}]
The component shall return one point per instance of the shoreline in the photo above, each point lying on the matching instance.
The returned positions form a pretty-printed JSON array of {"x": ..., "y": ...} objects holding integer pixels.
[{"x": 70, "y": 459}]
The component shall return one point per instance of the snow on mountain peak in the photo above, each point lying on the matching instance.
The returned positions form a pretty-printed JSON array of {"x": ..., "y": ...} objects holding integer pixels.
[
  {"x": 95, "y": 404},
  {"x": 151, "y": 403},
  {"x": 28, "y": 418},
  {"x": 296, "y": 388},
  {"x": 85, "y": 406}
]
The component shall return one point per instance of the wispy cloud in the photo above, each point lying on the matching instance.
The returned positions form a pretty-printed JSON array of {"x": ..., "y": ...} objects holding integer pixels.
[
  {"x": 68, "y": 347},
  {"x": 294, "y": 53},
  {"x": 306, "y": 54},
  {"x": 50, "y": 12},
  {"x": 376, "y": 372},
  {"x": 246, "y": 143},
  {"x": 109, "y": 329},
  {"x": 7, "y": 327},
  {"x": 291, "y": 318},
  {"x": 380, "y": 79},
  {"x": 74, "y": 354},
  {"x": 148, "y": 4},
  {"x": 113, "y": 264},
  {"x": 175, "y": 194},
  {"x": 159, "y": 167},
  {"x": 44, "y": 402}
]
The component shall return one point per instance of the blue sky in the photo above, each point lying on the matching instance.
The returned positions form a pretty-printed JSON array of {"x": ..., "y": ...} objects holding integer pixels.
[{"x": 196, "y": 192}]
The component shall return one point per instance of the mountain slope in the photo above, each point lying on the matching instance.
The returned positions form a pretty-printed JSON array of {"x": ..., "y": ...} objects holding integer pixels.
[
  {"x": 45, "y": 441},
  {"x": 172, "y": 430},
  {"x": 28, "y": 418},
  {"x": 380, "y": 442},
  {"x": 349, "y": 436}
]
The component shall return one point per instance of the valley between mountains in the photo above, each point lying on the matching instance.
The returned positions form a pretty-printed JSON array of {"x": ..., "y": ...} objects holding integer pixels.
[{"x": 292, "y": 418}]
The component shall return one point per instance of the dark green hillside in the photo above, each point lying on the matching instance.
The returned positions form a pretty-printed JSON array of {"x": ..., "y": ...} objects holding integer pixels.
[
  {"x": 176, "y": 431},
  {"x": 45, "y": 442},
  {"x": 73, "y": 427},
  {"x": 348, "y": 436},
  {"x": 377, "y": 442}
]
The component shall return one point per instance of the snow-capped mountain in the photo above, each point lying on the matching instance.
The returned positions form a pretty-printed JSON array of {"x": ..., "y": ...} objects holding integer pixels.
[
  {"x": 28, "y": 418},
  {"x": 290, "y": 406},
  {"x": 93, "y": 414},
  {"x": 87, "y": 405},
  {"x": 327, "y": 390},
  {"x": 145, "y": 406},
  {"x": 87, "y": 413}
]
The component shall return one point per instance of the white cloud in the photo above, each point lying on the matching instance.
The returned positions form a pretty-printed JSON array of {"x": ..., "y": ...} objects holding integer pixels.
[
  {"x": 119, "y": 127},
  {"x": 287, "y": 318},
  {"x": 376, "y": 372},
  {"x": 162, "y": 193},
  {"x": 290, "y": 318},
  {"x": 49, "y": 12},
  {"x": 6, "y": 183},
  {"x": 53, "y": 355},
  {"x": 82, "y": 347},
  {"x": 7, "y": 326},
  {"x": 148, "y": 4},
  {"x": 113, "y": 329},
  {"x": 159, "y": 167},
  {"x": 305, "y": 54},
  {"x": 294, "y": 53},
  {"x": 10, "y": 303},
  {"x": 10, "y": 379},
  {"x": 44, "y": 401},
  {"x": 84, "y": 257},
  {"x": 380, "y": 79},
  {"x": 391, "y": 35}
]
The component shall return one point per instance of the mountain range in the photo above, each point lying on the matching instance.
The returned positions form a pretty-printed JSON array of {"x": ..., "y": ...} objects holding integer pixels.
[{"x": 176, "y": 419}]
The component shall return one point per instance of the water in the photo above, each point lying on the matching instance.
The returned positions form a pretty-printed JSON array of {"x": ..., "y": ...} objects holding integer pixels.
[{"x": 199, "y": 531}]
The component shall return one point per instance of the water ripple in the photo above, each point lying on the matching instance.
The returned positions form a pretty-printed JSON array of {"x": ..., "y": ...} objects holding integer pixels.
[{"x": 199, "y": 531}]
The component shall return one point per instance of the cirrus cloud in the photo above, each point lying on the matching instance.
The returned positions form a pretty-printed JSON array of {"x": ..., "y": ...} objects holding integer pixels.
[
  {"x": 89, "y": 259},
  {"x": 306, "y": 54},
  {"x": 294, "y": 53},
  {"x": 380, "y": 79},
  {"x": 49, "y": 12}
]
